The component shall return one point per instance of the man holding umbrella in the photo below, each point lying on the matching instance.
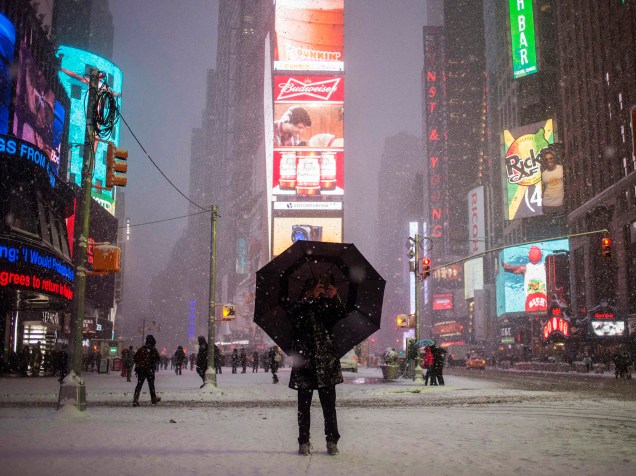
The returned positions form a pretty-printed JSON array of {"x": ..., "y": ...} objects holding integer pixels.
[{"x": 315, "y": 360}]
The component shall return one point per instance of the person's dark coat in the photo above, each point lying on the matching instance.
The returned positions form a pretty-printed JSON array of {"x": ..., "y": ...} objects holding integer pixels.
[
  {"x": 179, "y": 356},
  {"x": 202, "y": 355},
  {"x": 439, "y": 354},
  {"x": 315, "y": 359},
  {"x": 147, "y": 357}
]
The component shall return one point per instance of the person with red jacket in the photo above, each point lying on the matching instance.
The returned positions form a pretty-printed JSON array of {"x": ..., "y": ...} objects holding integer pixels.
[{"x": 428, "y": 364}]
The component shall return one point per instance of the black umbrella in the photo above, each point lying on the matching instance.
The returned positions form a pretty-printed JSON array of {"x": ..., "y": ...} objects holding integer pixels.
[{"x": 360, "y": 287}]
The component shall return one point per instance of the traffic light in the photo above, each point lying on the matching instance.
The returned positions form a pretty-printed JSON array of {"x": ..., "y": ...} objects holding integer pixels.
[
  {"x": 229, "y": 312},
  {"x": 401, "y": 320},
  {"x": 426, "y": 268},
  {"x": 606, "y": 247},
  {"x": 116, "y": 166}
]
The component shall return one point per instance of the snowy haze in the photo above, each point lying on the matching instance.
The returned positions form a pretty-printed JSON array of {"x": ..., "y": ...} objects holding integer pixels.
[{"x": 165, "y": 48}]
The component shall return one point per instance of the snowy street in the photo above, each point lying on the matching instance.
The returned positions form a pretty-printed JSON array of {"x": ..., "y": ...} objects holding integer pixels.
[{"x": 470, "y": 426}]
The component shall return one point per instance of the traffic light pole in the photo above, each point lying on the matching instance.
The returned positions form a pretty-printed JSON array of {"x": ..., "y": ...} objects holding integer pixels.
[
  {"x": 81, "y": 252},
  {"x": 209, "y": 382},
  {"x": 418, "y": 365}
]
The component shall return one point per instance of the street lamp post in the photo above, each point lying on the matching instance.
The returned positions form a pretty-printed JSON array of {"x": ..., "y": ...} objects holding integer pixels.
[
  {"x": 417, "y": 241},
  {"x": 209, "y": 382}
]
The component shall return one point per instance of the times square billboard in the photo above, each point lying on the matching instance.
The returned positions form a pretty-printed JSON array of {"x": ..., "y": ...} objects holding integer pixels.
[
  {"x": 532, "y": 277},
  {"x": 74, "y": 71},
  {"x": 38, "y": 117},
  {"x": 309, "y": 35},
  {"x": 533, "y": 171}
]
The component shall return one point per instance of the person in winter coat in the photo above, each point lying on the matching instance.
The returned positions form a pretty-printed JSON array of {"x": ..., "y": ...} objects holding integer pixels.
[
  {"x": 255, "y": 362},
  {"x": 243, "y": 357},
  {"x": 36, "y": 360},
  {"x": 437, "y": 378},
  {"x": 202, "y": 359},
  {"x": 235, "y": 360},
  {"x": 179, "y": 359},
  {"x": 218, "y": 359},
  {"x": 316, "y": 365},
  {"x": 428, "y": 365},
  {"x": 62, "y": 363},
  {"x": 147, "y": 360},
  {"x": 265, "y": 360},
  {"x": 274, "y": 359},
  {"x": 193, "y": 359}
]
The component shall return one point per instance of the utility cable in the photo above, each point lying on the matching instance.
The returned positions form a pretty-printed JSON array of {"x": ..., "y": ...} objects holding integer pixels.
[
  {"x": 165, "y": 219},
  {"x": 157, "y": 167}
]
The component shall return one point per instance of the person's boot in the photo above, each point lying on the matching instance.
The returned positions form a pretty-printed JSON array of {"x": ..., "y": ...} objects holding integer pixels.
[
  {"x": 135, "y": 403},
  {"x": 304, "y": 449},
  {"x": 332, "y": 448},
  {"x": 155, "y": 400}
]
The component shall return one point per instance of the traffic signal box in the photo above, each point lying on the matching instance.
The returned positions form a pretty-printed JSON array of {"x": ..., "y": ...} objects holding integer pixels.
[
  {"x": 106, "y": 258},
  {"x": 606, "y": 247},
  {"x": 426, "y": 268},
  {"x": 116, "y": 166},
  {"x": 229, "y": 312}
]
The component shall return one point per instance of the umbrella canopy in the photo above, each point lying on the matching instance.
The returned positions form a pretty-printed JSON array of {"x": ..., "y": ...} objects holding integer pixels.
[
  {"x": 424, "y": 343},
  {"x": 360, "y": 288}
]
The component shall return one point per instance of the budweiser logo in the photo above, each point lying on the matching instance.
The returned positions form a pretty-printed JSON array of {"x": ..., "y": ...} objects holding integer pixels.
[{"x": 294, "y": 88}]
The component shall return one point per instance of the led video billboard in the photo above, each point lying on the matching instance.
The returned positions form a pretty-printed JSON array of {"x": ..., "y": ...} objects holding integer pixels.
[
  {"x": 76, "y": 65},
  {"x": 288, "y": 230},
  {"x": 308, "y": 157},
  {"x": 38, "y": 117},
  {"x": 309, "y": 35},
  {"x": 7, "y": 46},
  {"x": 534, "y": 185},
  {"x": 522, "y": 38},
  {"x": 523, "y": 283}
]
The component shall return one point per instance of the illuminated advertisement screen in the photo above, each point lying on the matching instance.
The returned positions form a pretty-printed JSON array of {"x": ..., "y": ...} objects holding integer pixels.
[
  {"x": 7, "y": 46},
  {"x": 473, "y": 277},
  {"x": 309, "y": 35},
  {"x": 522, "y": 40},
  {"x": 288, "y": 230},
  {"x": 523, "y": 281},
  {"x": 534, "y": 183},
  {"x": 76, "y": 65},
  {"x": 442, "y": 302},
  {"x": 608, "y": 328},
  {"x": 308, "y": 152},
  {"x": 38, "y": 117},
  {"x": 31, "y": 268}
]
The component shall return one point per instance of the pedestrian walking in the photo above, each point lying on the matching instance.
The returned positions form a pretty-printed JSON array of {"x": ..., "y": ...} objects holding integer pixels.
[
  {"x": 243, "y": 357},
  {"x": 274, "y": 359},
  {"x": 179, "y": 359},
  {"x": 315, "y": 363},
  {"x": 218, "y": 359},
  {"x": 235, "y": 360},
  {"x": 202, "y": 359},
  {"x": 255, "y": 362},
  {"x": 428, "y": 365},
  {"x": 62, "y": 363},
  {"x": 36, "y": 360},
  {"x": 437, "y": 377},
  {"x": 128, "y": 363},
  {"x": 124, "y": 353},
  {"x": 146, "y": 361},
  {"x": 265, "y": 359}
]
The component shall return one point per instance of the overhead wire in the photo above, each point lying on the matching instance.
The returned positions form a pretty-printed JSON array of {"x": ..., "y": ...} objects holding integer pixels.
[{"x": 165, "y": 219}]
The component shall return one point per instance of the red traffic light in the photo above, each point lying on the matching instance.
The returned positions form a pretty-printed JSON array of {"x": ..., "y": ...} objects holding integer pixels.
[
  {"x": 606, "y": 247},
  {"x": 606, "y": 242},
  {"x": 426, "y": 262}
]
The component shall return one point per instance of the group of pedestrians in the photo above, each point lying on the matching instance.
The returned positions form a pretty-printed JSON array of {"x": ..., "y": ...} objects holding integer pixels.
[{"x": 433, "y": 362}]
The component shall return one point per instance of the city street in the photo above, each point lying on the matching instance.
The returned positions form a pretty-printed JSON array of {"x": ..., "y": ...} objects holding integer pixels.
[{"x": 491, "y": 422}]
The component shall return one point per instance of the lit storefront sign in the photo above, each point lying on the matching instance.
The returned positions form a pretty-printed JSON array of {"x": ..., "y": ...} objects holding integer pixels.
[
  {"x": 74, "y": 65},
  {"x": 13, "y": 148},
  {"x": 442, "y": 302},
  {"x": 522, "y": 38},
  {"x": 522, "y": 153},
  {"x": 309, "y": 35},
  {"x": 556, "y": 325}
]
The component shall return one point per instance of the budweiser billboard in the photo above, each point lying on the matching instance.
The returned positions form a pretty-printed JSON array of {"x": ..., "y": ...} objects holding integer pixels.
[
  {"x": 309, "y": 35},
  {"x": 308, "y": 157}
]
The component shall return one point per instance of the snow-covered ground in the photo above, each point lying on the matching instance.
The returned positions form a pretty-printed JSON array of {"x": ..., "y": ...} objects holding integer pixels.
[{"x": 248, "y": 426}]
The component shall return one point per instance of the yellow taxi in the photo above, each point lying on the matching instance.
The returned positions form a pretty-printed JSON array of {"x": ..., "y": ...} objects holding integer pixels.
[{"x": 476, "y": 362}]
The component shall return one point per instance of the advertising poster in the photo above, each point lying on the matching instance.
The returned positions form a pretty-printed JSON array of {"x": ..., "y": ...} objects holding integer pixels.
[
  {"x": 473, "y": 277},
  {"x": 476, "y": 221},
  {"x": 7, "y": 45},
  {"x": 522, "y": 281},
  {"x": 442, "y": 302},
  {"x": 288, "y": 230},
  {"x": 309, "y": 35},
  {"x": 524, "y": 148},
  {"x": 38, "y": 117},
  {"x": 308, "y": 157},
  {"x": 73, "y": 75}
]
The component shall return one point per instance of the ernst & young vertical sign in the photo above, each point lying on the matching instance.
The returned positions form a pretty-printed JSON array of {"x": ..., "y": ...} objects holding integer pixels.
[{"x": 524, "y": 52}]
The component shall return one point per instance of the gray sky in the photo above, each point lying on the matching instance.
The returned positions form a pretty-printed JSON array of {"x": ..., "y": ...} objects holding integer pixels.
[{"x": 165, "y": 47}]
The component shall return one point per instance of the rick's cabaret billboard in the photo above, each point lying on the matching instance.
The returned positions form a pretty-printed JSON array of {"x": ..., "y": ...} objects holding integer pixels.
[
  {"x": 309, "y": 35},
  {"x": 523, "y": 149}
]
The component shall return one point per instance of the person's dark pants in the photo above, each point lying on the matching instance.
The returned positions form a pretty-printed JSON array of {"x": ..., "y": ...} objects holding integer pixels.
[
  {"x": 234, "y": 368},
  {"x": 128, "y": 372},
  {"x": 143, "y": 375},
  {"x": 244, "y": 368},
  {"x": 177, "y": 369},
  {"x": 255, "y": 368},
  {"x": 429, "y": 375},
  {"x": 328, "y": 402}
]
